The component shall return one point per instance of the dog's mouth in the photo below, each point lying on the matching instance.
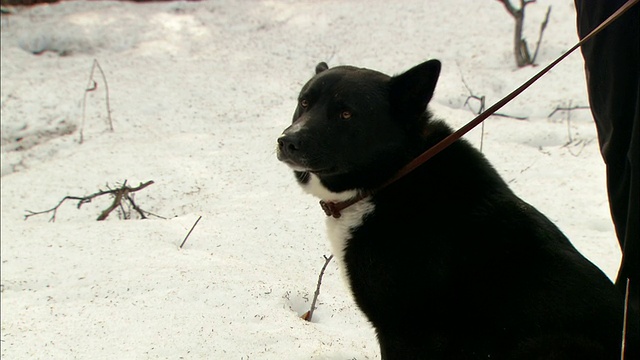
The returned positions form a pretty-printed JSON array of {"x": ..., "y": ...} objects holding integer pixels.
[
  {"x": 295, "y": 163},
  {"x": 299, "y": 162},
  {"x": 294, "y": 166},
  {"x": 301, "y": 166}
]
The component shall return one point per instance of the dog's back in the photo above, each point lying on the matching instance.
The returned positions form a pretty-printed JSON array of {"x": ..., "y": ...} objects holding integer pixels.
[{"x": 452, "y": 264}]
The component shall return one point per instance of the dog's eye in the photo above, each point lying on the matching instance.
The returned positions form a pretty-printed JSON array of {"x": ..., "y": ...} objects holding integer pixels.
[
  {"x": 345, "y": 115},
  {"x": 304, "y": 103}
]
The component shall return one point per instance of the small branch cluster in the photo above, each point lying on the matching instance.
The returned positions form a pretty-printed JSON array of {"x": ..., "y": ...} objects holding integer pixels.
[
  {"x": 122, "y": 194},
  {"x": 309, "y": 314},
  {"x": 521, "y": 49},
  {"x": 480, "y": 99},
  {"x": 567, "y": 109},
  {"x": 570, "y": 140},
  {"x": 481, "y": 108}
]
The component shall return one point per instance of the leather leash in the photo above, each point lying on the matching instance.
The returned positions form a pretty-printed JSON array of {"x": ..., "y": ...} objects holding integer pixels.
[{"x": 334, "y": 208}]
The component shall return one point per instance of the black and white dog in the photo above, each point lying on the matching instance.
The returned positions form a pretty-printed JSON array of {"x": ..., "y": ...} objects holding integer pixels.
[{"x": 447, "y": 262}]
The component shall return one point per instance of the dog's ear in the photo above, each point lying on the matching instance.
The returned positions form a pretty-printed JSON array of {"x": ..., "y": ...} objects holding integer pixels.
[
  {"x": 411, "y": 91},
  {"x": 321, "y": 67}
]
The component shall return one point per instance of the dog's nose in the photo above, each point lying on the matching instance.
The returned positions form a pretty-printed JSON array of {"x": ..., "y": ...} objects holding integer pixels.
[{"x": 288, "y": 144}]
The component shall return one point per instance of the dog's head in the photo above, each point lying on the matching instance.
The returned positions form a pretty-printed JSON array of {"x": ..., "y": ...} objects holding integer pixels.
[{"x": 353, "y": 127}]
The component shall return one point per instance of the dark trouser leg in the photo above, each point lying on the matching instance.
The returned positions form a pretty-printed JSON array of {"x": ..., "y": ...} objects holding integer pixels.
[{"x": 612, "y": 65}]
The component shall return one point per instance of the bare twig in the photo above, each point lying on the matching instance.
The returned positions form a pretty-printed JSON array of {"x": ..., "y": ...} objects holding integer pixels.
[
  {"x": 566, "y": 108},
  {"x": 510, "y": 116},
  {"x": 542, "y": 27},
  {"x": 521, "y": 50},
  {"x": 481, "y": 108},
  {"x": 53, "y": 210},
  {"x": 309, "y": 314},
  {"x": 117, "y": 199},
  {"x": 569, "y": 108},
  {"x": 135, "y": 206},
  {"x": 155, "y": 215},
  {"x": 481, "y": 99},
  {"x": 91, "y": 86},
  {"x": 119, "y": 194},
  {"x": 189, "y": 233}
]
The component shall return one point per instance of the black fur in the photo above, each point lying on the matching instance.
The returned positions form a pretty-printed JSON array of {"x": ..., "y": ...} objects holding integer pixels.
[{"x": 450, "y": 264}]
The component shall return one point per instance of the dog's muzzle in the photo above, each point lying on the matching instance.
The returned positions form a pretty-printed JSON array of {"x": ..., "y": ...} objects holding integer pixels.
[{"x": 289, "y": 151}]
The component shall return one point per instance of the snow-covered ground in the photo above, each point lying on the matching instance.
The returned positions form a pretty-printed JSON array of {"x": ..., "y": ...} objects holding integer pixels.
[{"x": 198, "y": 93}]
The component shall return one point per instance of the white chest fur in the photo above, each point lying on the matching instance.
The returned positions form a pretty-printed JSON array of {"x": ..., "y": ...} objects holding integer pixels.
[{"x": 339, "y": 230}]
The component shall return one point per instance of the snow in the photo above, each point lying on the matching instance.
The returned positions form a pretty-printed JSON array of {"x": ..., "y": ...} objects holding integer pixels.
[{"x": 199, "y": 91}]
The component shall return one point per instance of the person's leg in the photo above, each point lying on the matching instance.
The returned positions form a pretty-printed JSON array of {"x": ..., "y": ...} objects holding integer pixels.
[{"x": 612, "y": 65}]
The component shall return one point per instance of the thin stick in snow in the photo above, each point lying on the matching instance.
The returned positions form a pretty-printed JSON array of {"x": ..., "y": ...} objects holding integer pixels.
[
  {"x": 91, "y": 86},
  {"x": 542, "y": 27},
  {"x": 309, "y": 314},
  {"x": 189, "y": 233},
  {"x": 480, "y": 110}
]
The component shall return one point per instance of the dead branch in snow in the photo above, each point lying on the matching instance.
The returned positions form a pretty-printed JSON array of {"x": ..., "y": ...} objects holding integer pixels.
[
  {"x": 309, "y": 314},
  {"x": 189, "y": 233},
  {"x": 471, "y": 96},
  {"x": 511, "y": 116},
  {"x": 92, "y": 86},
  {"x": 567, "y": 108},
  {"x": 481, "y": 99},
  {"x": 481, "y": 108},
  {"x": 521, "y": 49},
  {"x": 121, "y": 194}
]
